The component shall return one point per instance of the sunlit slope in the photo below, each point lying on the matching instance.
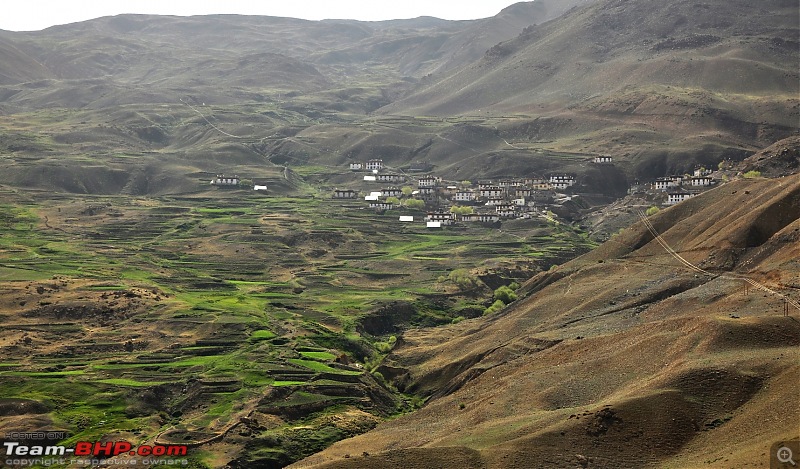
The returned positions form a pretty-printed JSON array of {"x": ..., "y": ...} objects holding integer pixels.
[{"x": 623, "y": 357}]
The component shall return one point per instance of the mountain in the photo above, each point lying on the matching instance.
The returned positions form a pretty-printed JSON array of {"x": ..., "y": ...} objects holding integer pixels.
[
  {"x": 539, "y": 88},
  {"x": 163, "y": 53},
  {"x": 624, "y": 357},
  {"x": 658, "y": 83}
]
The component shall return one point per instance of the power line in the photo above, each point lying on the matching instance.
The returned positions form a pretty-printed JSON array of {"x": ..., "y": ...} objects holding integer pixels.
[{"x": 688, "y": 264}]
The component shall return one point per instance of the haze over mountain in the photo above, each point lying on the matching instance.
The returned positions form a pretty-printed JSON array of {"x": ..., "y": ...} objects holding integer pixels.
[{"x": 661, "y": 87}]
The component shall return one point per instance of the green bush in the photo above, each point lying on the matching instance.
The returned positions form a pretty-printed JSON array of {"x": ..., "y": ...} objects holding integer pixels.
[
  {"x": 505, "y": 294},
  {"x": 496, "y": 306},
  {"x": 752, "y": 174},
  {"x": 461, "y": 210},
  {"x": 463, "y": 279},
  {"x": 652, "y": 211},
  {"x": 415, "y": 204}
]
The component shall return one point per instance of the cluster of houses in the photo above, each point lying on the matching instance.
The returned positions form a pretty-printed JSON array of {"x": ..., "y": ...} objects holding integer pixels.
[
  {"x": 682, "y": 187},
  {"x": 488, "y": 201}
]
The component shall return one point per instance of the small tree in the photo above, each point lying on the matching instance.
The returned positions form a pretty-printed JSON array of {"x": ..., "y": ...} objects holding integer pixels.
[
  {"x": 415, "y": 204},
  {"x": 752, "y": 174},
  {"x": 407, "y": 190},
  {"x": 461, "y": 210},
  {"x": 393, "y": 200},
  {"x": 652, "y": 211},
  {"x": 463, "y": 279}
]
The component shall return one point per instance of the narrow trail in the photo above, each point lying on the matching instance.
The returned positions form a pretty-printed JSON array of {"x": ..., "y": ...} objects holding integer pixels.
[
  {"x": 209, "y": 122},
  {"x": 728, "y": 276}
]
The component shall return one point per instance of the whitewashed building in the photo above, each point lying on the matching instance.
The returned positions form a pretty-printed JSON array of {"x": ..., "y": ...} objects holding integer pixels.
[
  {"x": 428, "y": 181},
  {"x": 701, "y": 181},
  {"x": 464, "y": 196},
  {"x": 374, "y": 164},
  {"x": 344, "y": 194},
  {"x": 678, "y": 196},
  {"x": 222, "y": 180},
  {"x": 491, "y": 192}
]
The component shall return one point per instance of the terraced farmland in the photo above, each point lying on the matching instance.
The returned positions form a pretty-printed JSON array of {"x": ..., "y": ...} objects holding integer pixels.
[{"x": 227, "y": 318}]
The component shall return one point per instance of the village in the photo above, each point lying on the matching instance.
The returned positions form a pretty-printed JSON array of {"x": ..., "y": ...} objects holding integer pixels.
[{"x": 448, "y": 203}]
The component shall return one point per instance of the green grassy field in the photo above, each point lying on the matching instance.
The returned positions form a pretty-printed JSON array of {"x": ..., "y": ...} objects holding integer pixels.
[{"x": 178, "y": 315}]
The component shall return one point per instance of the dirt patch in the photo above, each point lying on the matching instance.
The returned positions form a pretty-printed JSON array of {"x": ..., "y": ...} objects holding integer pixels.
[{"x": 10, "y": 407}]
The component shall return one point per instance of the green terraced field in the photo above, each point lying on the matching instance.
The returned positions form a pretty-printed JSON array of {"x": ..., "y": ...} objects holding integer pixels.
[{"x": 178, "y": 315}]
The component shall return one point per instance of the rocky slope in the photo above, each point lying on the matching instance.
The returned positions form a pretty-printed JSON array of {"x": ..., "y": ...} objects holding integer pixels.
[{"x": 624, "y": 357}]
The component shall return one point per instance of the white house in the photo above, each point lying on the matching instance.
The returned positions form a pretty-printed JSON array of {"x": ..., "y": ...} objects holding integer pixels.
[
  {"x": 356, "y": 166},
  {"x": 369, "y": 178},
  {"x": 381, "y": 206},
  {"x": 676, "y": 197},
  {"x": 491, "y": 192},
  {"x": 445, "y": 218},
  {"x": 344, "y": 194},
  {"x": 222, "y": 180},
  {"x": 560, "y": 180},
  {"x": 259, "y": 188},
  {"x": 390, "y": 178},
  {"x": 505, "y": 211},
  {"x": 602, "y": 159},
  {"x": 428, "y": 181},
  {"x": 391, "y": 192},
  {"x": 662, "y": 184},
  {"x": 374, "y": 164},
  {"x": 406, "y": 218},
  {"x": 464, "y": 196},
  {"x": 494, "y": 201},
  {"x": 701, "y": 181}
]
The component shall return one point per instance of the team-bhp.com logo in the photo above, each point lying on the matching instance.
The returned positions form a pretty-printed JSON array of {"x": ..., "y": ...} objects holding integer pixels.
[{"x": 97, "y": 452}]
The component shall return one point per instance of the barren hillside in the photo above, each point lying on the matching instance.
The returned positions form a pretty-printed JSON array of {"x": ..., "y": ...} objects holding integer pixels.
[{"x": 623, "y": 357}]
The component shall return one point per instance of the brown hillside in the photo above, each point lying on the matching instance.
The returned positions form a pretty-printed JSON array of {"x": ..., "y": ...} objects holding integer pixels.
[
  {"x": 658, "y": 84},
  {"x": 620, "y": 358}
]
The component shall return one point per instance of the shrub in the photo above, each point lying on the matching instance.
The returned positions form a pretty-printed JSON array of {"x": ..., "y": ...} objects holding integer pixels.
[
  {"x": 495, "y": 307},
  {"x": 463, "y": 279},
  {"x": 752, "y": 174},
  {"x": 652, "y": 211},
  {"x": 505, "y": 294}
]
